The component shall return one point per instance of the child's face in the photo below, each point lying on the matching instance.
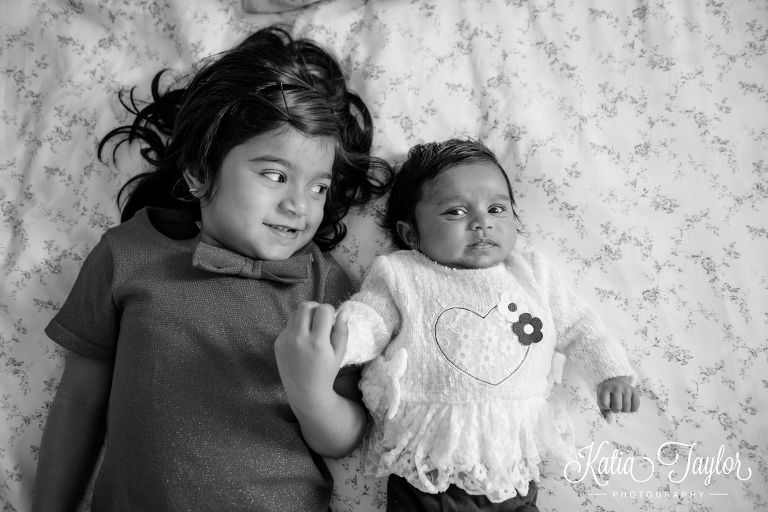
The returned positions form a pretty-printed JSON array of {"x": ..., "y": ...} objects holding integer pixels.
[
  {"x": 465, "y": 219},
  {"x": 270, "y": 194}
]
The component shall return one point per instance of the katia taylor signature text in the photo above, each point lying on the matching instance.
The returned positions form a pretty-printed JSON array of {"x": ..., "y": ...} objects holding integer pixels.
[{"x": 600, "y": 465}]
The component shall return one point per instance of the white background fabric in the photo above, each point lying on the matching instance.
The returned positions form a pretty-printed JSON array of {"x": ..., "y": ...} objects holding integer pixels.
[{"x": 635, "y": 134}]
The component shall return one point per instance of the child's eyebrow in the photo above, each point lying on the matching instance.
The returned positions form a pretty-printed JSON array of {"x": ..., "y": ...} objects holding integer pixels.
[
  {"x": 320, "y": 175},
  {"x": 323, "y": 175}
]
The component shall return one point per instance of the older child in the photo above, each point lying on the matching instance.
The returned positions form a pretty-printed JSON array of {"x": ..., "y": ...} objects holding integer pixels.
[
  {"x": 172, "y": 321},
  {"x": 466, "y": 337}
]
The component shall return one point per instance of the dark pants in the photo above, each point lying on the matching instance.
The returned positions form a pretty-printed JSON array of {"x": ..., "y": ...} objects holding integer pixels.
[{"x": 402, "y": 496}]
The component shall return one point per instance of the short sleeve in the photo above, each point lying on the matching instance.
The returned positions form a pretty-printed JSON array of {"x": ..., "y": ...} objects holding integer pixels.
[
  {"x": 338, "y": 286},
  {"x": 374, "y": 315},
  {"x": 88, "y": 322}
]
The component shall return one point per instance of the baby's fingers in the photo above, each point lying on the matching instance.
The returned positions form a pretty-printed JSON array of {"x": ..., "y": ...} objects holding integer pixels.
[
  {"x": 617, "y": 401},
  {"x": 604, "y": 399},
  {"x": 339, "y": 334},
  {"x": 604, "y": 403},
  {"x": 626, "y": 400}
]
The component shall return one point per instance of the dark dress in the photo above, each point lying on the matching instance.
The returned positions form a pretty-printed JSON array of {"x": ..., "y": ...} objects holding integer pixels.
[{"x": 198, "y": 418}]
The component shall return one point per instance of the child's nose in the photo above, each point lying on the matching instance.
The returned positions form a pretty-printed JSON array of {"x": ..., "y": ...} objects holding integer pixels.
[{"x": 295, "y": 202}]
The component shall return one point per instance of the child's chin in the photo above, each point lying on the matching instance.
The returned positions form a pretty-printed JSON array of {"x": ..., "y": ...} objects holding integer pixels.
[{"x": 282, "y": 253}]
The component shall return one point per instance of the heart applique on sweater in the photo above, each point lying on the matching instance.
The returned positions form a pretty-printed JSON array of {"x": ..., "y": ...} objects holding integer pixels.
[{"x": 481, "y": 345}]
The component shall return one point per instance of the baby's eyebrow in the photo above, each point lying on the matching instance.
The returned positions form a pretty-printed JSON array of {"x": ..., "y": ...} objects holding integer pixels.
[
  {"x": 458, "y": 198},
  {"x": 450, "y": 199}
]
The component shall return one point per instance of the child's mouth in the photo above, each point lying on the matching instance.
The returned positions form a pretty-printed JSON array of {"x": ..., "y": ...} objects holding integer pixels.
[{"x": 285, "y": 230}]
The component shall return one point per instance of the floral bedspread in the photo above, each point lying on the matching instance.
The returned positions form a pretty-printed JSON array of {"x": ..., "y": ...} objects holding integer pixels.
[{"x": 636, "y": 135}]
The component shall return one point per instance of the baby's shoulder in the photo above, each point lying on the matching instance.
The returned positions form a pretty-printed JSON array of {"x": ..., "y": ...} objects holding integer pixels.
[
  {"x": 404, "y": 264},
  {"x": 398, "y": 255},
  {"x": 532, "y": 261}
]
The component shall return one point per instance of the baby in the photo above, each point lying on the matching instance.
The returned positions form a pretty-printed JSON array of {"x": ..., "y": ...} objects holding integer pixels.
[{"x": 465, "y": 337}]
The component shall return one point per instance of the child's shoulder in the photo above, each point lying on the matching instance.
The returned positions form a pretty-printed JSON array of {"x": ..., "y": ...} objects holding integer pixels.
[
  {"x": 322, "y": 262},
  {"x": 149, "y": 229},
  {"x": 125, "y": 232}
]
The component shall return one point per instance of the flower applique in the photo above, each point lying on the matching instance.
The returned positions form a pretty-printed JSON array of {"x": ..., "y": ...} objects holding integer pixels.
[
  {"x": 526, "y": 327},
  {"x": 510, "y": 309}
]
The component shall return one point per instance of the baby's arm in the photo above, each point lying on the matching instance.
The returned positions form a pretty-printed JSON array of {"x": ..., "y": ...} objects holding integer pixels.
[
  {"x": 374, "y": 316},
  {"x": 309, "y": 353},
  {"x": 73, "y": 434},
  {"x": 581, "y": 335}
]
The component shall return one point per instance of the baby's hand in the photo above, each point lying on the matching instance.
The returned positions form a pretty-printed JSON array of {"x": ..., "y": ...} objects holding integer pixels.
[{"x": 617, "y": 395}]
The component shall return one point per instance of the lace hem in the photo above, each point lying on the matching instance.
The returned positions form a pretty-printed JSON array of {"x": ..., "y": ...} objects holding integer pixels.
[{"x": 489, "y": 448}]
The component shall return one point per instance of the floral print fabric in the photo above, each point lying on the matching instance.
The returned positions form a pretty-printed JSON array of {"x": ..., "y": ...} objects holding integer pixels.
[{"x": 634, "y": 133}]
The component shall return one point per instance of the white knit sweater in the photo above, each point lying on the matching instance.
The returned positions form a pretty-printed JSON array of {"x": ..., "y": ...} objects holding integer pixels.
[{"x": 462, "y": 369}]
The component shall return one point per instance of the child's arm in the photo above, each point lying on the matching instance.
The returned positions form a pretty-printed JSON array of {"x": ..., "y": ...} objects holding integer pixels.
[
  {"x": 309, "y": 353},
  {"x": 617, "y": 395},
  {"x": 73, "y": 434}
]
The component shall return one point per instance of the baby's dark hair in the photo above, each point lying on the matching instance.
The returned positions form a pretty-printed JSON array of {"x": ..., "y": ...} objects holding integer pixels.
[
  {"x": 424, "y": 163},
  {"x": 267, "y": 82}
]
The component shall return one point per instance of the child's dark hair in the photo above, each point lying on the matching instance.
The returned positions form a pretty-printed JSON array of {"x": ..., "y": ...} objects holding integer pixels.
[
  {"x": 267, "y": 82},
  {"x": 426, "y": 162}
]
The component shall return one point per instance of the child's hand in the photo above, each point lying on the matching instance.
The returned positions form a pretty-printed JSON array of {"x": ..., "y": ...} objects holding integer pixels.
[
  {"x": 309, "y": 352},
  {"x": 616, "y": 395}
]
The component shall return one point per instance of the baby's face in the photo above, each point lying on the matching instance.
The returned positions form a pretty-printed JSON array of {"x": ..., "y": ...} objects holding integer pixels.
[{"x": 465, "y": 218}]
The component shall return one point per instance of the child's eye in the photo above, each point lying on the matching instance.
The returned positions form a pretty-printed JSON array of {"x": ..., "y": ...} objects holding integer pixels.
[
  {"x": 497, "y": 208},
  {"x": 275, "y": 176},
  {"x": 319, "y": 189}
]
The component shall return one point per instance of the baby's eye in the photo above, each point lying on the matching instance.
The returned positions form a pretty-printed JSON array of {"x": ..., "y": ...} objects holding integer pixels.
[
  {"x": 456, "y": 213},
  {"x": 275, "y": 176},
  {"x": 497, "y": 208},
  {"x": 319, "y": 189}
]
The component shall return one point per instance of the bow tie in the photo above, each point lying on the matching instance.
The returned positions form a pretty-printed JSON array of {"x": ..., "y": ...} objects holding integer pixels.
[{"x": 295, "y": 269}]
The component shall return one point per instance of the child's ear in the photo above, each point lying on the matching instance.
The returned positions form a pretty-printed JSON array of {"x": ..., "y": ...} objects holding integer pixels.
[
  {"x": 408, "y": 234},
  {"x": 195, "y": 185}
]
